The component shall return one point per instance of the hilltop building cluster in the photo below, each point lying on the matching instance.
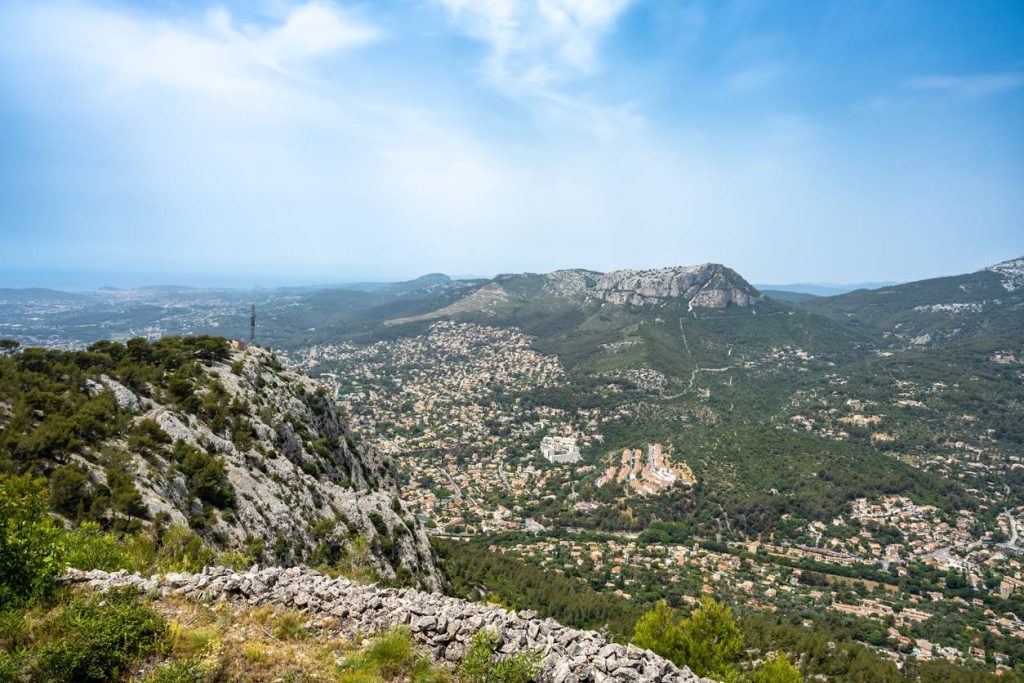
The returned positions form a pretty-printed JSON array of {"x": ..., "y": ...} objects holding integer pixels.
[{"x": 647, "y": 474}]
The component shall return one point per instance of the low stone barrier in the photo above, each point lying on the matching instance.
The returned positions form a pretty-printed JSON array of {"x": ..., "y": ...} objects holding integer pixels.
[{"x": 441, "y": 624}]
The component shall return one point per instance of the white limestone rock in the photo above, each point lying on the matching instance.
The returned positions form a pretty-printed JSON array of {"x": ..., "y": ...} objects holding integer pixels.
[
  {"x": 440, "y": 624},
  {"x": 709, "y": 285}
]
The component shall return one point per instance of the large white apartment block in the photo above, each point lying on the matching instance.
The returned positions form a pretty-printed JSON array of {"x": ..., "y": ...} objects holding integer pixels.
[{"x": 560, "y": 449}]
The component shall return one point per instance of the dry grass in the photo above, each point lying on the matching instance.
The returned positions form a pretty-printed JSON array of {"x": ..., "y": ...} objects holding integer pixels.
[{"x": 230, "y": 642}]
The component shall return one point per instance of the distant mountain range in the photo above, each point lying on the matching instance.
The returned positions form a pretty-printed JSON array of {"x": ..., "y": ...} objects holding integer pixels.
[
  {"x": 925, "y": 312},
  {"x": 823, "y": 288}
]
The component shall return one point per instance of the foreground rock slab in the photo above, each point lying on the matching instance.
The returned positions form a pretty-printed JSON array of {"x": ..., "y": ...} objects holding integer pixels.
[{"x": 441, "y": 624}]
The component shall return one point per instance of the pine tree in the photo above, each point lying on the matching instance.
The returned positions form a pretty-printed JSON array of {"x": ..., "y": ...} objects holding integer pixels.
[
  {"x": 711, "y": 640},
  {"x": 658, "y": 631},
  {"x": 777, "y": 670}
]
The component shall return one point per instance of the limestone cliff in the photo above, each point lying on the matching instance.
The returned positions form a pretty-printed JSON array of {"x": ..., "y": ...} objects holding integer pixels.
[
  {"x": 301, "y": 486},
  {"x": 709, "y": 285}
]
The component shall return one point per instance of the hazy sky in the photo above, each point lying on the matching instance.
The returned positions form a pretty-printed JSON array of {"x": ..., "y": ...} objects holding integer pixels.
[{"x": 277, "y": 142}]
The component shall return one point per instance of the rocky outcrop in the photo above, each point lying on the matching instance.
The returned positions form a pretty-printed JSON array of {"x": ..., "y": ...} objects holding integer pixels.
[
  {"x": 440, "y": 624},
  {"x": 1012, "y": 272},
  {"x": 123, "y": 396},
  {"x": 303, "y": 488},
  {"x": 709, "y": 285},
  {"x": 570, "y": 282}
]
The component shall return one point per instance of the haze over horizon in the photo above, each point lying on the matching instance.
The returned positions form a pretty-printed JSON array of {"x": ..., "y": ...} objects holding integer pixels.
[
  {"x": 286, "y": 143},
  {"x": 73, "y": 281}
]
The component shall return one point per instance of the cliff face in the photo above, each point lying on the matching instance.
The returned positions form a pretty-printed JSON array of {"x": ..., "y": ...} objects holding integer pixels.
[
  {"x": 302, "y": 487},
  {"x": 709, "y": 285},
  {"x": 443, "y": 626}
]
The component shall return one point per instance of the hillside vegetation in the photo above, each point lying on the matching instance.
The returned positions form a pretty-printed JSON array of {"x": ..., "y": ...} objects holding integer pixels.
[{"x": 189, "y": 436}]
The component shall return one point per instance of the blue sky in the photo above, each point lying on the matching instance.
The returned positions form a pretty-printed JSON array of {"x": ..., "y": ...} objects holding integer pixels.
[{"x": 278, "y": 142}]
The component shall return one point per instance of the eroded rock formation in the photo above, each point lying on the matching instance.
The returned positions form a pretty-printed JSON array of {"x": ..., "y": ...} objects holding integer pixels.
[{"x": 708, "y": 285}]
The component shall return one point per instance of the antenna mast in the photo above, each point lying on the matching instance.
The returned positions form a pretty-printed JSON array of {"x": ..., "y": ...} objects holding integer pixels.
[{"x": 252, "y": 326}]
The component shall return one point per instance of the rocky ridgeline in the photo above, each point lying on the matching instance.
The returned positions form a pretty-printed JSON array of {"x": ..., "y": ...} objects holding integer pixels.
[
  {"x": 570, "y": 282},
  {"x": 1012, "y": 272},
  {"x": 709, "y": 285},
  {"x": 300, "y": 480},
  {"x": 441, "y": 624}
]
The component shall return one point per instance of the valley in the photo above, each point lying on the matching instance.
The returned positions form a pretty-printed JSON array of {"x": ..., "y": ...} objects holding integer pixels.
[{"x": 841, "y": 464}]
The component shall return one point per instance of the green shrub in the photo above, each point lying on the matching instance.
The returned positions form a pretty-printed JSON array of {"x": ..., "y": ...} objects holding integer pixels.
[
  {"x": 709, "y": 642},
  {"x": 390, "y": 653},
  {"x": 658, "y": 631},
  {"x": 174, "y": 549},
  {"x": 11, "y": 664},
  {"x": 147, "y": 437},
  {"x": 97, "y": 638},
  {"x": 181, "y": 550},
  {"x": 208, "y": 348},
  {"x": 289, "y": 626},
  {"x": 90, "y": 548},
  {"x": 70, "y": 491},
  {"x": 31, "y": 543},
  {"x": 205, "y": 476},
  {"x": 777, "y": 670},
  {"x": 51, "y": 439},
  {"x": 124, "y": 495},
  {"x": 183, "y": 671},
  {"x": 379, "y": 524},
  {"x": 482, "y": 665},
  {"x": 390, "y": 656}
]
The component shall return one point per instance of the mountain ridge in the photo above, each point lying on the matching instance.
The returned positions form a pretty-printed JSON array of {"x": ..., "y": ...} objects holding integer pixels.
[
  {"x": 986, "y": 303},
  {"x": 211, "y": 436}
]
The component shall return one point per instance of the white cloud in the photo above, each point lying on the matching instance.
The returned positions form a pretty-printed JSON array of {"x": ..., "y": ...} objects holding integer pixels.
[
  {"x": 976, "y": 85},
  {"x": 208, "y": 55},
  {"x": 536, "y": 48},
  {"x": 315, "y": 29},
  {"x": 207, "y": 141},
  {"x": 534, "y": 45}
]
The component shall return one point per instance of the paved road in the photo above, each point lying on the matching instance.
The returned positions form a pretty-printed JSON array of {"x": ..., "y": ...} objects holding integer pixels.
[{"x": 501, "y": 473}]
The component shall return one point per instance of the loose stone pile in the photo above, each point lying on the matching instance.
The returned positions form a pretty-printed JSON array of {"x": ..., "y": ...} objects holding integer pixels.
[{"x": 443, "y": 625}]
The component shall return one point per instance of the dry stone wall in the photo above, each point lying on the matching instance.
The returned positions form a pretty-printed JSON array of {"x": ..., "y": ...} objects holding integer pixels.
[{"x": 441, "y": 624}]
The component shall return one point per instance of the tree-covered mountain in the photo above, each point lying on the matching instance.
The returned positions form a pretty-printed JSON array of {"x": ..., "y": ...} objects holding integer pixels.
[{"x": 986, "y": 305}]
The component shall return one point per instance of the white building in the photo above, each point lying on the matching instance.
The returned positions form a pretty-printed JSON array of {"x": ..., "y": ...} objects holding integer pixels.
[{"x": 560, "y": 449}]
